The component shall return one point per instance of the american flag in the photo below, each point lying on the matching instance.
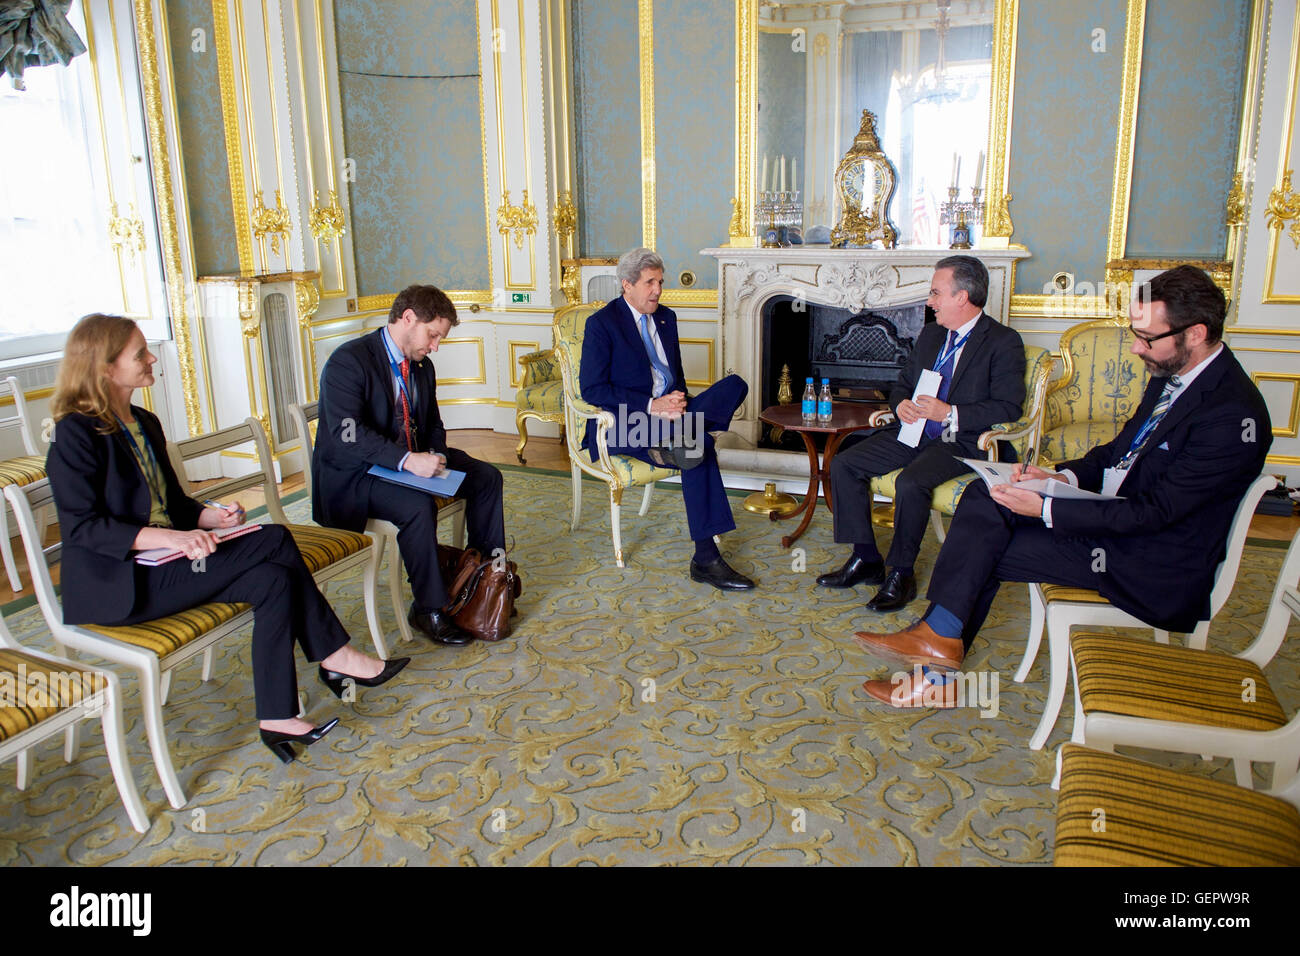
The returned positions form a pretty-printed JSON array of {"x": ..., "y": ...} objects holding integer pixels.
[{"x": 925, "y": 224}]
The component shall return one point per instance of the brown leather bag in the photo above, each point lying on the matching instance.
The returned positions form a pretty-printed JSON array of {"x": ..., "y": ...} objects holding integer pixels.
[{"x": 482, "y": 592}]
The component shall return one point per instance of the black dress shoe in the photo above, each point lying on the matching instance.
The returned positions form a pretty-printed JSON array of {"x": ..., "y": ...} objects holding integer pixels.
[
  {"x": 676, "y": 456},
  {"x": 279, "y": 743},
  {"x": 439, "y": 627},
  {"x": 721, "y": 575},
  {"x": 855, "y": 571},
  {"x": 335, "y": 681},
  {"x": 898, "y": 591}
]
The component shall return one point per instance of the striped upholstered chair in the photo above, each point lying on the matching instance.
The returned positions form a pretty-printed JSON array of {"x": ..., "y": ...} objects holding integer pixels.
[
  {"x": 152, "y": 649},
  {"x": 618, "y": 472},
  {"x": 1018, "y": 434},
  {"x": 1117, "y": 811},
  {"x": 22, "y": 470},
  {"x": 1130, "y": 692}
]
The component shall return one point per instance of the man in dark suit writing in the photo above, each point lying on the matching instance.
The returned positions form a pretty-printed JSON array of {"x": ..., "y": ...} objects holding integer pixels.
[
  {"x": 378, "y": 406},
  {"x": 1179, "y": 467},
  {"x": 632, "y": 366},
  {"x": 982, "y": 369}
]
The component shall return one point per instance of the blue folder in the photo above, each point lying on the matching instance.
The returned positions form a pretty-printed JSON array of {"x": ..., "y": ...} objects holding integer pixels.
[{"x": 445, "y": 484}]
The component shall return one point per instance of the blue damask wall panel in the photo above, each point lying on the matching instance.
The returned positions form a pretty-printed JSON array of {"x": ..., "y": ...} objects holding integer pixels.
[
  {"x": 408, "y": 73},
  {"x": 203, "y": 137},
  {"x": 695, "y": 111},
  {"x": 1189, "y": 114},
  {"x": 607, "y": 125},
  {"x": 1063, "y": 137}
]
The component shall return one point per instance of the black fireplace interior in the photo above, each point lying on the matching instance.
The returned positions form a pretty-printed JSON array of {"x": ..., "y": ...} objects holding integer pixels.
[{"x": 862, "y": 353}]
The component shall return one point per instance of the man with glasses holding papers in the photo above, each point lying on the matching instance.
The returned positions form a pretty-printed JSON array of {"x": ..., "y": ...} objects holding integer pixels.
[
  {"x": 379, "y": 407},
  {"x": 1168, "y": 486}
]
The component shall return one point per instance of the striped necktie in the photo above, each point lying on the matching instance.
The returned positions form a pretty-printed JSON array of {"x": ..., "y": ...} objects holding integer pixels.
[
  {"x": 934, "y": 429},
  {"x": 1163, "y": 403}
]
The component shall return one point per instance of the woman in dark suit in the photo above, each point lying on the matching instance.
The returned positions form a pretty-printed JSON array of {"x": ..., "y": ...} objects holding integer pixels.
[{"x": 116, "y": 493}]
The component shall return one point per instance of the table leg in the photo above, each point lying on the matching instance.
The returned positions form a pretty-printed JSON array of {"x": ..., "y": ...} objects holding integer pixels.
[
  {"x": 810, "y": 499},
  {"x": 832, "y": 446}
]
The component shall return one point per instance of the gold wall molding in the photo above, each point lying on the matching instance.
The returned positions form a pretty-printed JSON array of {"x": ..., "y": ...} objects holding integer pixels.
[
  {"x": 1292, "y": 427},
  {"x": 565, "y": 218},
  {"x": 1251, "y": 330},
  {"x": 690, "y": 298},
  {"x": 273, "y": 222},
  {"x": 1082, "y": 308},
  {"x": 740, "y": 230},
  {"x": 1126, "y": 128},
  {"x": 646, "y": 50},
  {"x": 1234, "y": 206},
  {"x": 1284, "y": 207},
  {"x": 517, "y": 221},
  {"x": 234, "y": 142},
  {"x": 126, "y": 233},
  {"x": 1238, "y": 199},
  {"x": 165, "y": 209},
  {"x": 514, "y": 358},
  {"x": 326, "y": 221},
  {"x": 482, "y": 130},
  {"x": 708, "y": 344},
  {"x": 571, "y": 282},
  {"x": 1006, "y": 26},
  {"x": 481, "y": 377},
  {"x": 1284, "y": 168}
]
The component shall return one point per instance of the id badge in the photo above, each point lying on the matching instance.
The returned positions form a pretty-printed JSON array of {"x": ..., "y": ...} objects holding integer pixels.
[{"x": 1111, "y": 479}]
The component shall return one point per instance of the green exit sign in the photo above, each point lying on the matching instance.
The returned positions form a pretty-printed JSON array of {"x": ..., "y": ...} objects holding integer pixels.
[{"x": 521, "y": 297}]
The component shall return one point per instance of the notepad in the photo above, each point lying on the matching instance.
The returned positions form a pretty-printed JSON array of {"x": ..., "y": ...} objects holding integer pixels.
[
  {"x": 156, "y": 556},
  {"x": 926, "y": 384},
  {"x": 445, "y": 485},
  {"x": 999, "y": 473}
]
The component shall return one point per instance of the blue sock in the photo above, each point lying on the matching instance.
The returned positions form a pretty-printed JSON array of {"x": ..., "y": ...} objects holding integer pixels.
[{"x": 943, "y": 622}]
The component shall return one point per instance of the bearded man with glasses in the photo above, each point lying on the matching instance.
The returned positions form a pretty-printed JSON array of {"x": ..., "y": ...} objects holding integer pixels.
[{"x": 1179, "y": 468}]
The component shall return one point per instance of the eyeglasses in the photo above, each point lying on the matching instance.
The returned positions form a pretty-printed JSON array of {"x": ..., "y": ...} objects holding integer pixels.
[{"x": 1149, "y": 340}]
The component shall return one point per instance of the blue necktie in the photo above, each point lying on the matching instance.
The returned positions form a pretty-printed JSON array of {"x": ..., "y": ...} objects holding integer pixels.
[
  {"x": 653, "y": 352},
  {"x": 1140, "y": 440},
  {"x": 935, "y": 429}
]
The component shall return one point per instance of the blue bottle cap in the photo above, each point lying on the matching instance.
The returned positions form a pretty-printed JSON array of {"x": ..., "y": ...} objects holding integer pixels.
[
  {"x": 808, "y": 380},
  {"x": 826, "y": 381}
]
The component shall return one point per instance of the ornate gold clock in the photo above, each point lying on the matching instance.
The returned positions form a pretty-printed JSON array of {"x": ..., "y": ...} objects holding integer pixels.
[{"x": 865, "y": 179}]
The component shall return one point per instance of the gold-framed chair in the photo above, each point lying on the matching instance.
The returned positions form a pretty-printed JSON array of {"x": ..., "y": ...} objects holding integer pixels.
[
  {"x": 1131, "y": 693},
  {"x": 22, "y": 470},
  {"x": 384, "y": 532},
  {"x": 540, "y": 396},
  {"x": 1020, "y": 434},
  {"x": 618, "y": 472},
  {"x": 152, "y": 649},
  {"x": 71, "y": 693}
]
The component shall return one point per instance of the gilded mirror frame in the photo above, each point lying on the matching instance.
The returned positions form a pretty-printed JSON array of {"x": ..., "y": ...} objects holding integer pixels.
[{"x": 998, "y": 227}]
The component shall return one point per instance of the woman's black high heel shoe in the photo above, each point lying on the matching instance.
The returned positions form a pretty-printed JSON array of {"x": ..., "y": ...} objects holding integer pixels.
[
  {"x": 281, "y": 744},
  {"x": 334, "y": 680}
]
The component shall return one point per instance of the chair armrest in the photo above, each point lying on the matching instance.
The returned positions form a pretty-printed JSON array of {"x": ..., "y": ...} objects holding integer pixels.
[
  {"x": 540, "y": 366},
  {"x": 1004, "y": 431},
  {"x": 882, "y": 417}
]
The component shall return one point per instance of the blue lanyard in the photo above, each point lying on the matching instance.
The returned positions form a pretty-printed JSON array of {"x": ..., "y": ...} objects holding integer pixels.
[
  {"x": 948, "y": 353},
  {"x": 153, "y": 472},
  {"x": 401, "y": 384}
]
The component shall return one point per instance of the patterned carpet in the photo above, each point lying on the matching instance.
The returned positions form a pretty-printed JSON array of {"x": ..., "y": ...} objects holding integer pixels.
[{"x": 633, "y": 718}]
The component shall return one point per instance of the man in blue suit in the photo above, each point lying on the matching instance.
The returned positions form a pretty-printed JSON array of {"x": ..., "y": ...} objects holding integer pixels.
[
  {"x": 632, "y": 366},
  {"x": 1179, "y": 467}
]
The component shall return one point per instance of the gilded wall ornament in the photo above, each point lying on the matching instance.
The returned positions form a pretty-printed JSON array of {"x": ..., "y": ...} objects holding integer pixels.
[
  {"x": 271, "y": 222},
  {"x": 1236, "y": 203},
  {"x": 570, "y": 282},
  {"x": 326, "y": 222},
  {"x": 518, "y": 220},
  {"x": 1284, "y": 207},
  {"x": 566, "y": 216},
  {"x": 126, "y": 232}
]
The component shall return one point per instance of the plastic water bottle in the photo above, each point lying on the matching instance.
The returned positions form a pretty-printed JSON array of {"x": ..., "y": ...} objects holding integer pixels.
[
  {"x": 824, "y": 403},
  {"x": 809, "y": 402}
]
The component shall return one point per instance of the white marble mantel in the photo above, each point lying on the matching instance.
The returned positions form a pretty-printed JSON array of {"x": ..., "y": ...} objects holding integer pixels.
[{"x": 852, "y": 279}]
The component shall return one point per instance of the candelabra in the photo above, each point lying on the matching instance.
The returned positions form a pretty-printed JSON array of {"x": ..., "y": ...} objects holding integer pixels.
[
  {"x": 961, "y": 216},
  {"x": 778, "y": 216}
]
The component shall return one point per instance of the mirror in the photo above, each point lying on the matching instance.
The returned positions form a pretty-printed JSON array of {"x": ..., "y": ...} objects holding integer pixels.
[{"x": 924, "y": 69}]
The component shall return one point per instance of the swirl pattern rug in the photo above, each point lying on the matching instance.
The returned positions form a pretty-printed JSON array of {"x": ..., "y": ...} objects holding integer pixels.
[{"x": 633, "y": 717}]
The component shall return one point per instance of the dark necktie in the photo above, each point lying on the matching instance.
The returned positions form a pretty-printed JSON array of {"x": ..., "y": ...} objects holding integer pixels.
[
  {"x": 935, "y": 429},
  {"x": 1140, "y": 440}
]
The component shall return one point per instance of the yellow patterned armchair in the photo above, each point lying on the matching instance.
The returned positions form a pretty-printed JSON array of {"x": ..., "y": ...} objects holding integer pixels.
[
  {"x": 1019, "y": 434},
  {"x": 540, "y": 395},
  {"x": 617, "y": 471},
  {"x": 1098, "y": 391}
]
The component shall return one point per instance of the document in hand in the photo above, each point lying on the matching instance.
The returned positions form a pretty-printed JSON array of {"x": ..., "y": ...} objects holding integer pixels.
[
  {"x": 927, "y": 384},
  {"x": 445, "y": 484},
  {"x": 999, "y": 473},
  {"x": 156, "y": 556}
]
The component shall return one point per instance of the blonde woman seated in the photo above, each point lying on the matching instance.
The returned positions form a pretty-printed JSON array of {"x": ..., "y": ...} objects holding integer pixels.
[{"x": 116, "y": 494}]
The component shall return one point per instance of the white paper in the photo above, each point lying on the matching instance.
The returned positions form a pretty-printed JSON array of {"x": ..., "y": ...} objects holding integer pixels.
[
  {"x": 927, "y": 384},
  {"x": 999, "y": 473}
]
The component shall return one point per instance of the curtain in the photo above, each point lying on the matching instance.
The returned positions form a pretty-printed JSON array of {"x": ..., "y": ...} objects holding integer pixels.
[{"x": 35, "y": 33}]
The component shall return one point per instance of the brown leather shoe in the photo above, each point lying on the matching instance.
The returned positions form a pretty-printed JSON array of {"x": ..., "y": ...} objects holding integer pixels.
[
  {"x": 917, "y": 644},
  {"x": 906, "y": 691}
]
